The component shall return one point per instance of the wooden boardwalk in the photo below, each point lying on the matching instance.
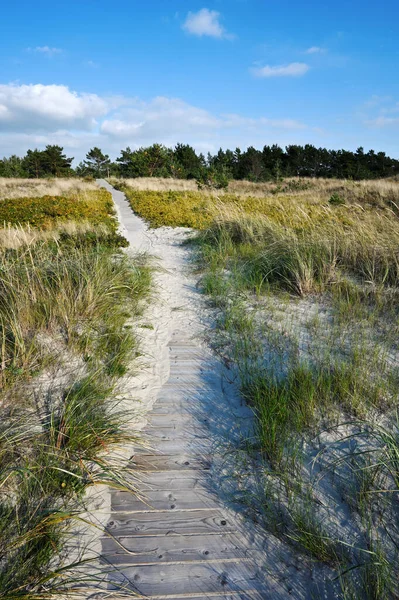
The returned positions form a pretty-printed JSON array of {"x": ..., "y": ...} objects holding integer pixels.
[{"x": 179, "y": 540}]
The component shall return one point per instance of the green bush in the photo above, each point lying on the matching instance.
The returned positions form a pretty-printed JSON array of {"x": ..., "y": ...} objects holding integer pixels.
[
  {"x": 97, "y": 208},
  {"x": 336, "y": 200}
]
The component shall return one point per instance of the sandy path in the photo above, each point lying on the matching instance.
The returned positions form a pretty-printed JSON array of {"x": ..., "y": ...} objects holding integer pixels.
[{"x": 182, "y": 539}]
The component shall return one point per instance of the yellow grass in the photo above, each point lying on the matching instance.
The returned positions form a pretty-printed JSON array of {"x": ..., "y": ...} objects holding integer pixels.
[
  {"x": 370, "y": 207},
  {"x": 22, "y": 188},
  {"x": 16, "y": 237},
  {"x": 309, "y": 188}
]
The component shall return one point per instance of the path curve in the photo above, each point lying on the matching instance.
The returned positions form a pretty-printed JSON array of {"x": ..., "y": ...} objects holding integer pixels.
[{"x": 182, "y": 540}]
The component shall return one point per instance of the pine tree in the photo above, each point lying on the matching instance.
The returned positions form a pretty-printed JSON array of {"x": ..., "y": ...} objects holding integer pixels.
[{"x": 97, "y": 163}]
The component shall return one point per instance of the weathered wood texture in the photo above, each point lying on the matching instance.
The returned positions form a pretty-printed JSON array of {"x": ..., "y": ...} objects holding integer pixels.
[{"x": 177, "y": 539}]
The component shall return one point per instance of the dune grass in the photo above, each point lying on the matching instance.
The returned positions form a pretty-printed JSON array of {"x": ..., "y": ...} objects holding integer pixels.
[
  {"x": 375, "y": 192},
  {"x": 44, "y": 212},
  {"x": 11, "y": 187},
  {"x": 303, "y": 277},
  {"x": 69, "y": 298},
  {"x": 302, "y": 303}
]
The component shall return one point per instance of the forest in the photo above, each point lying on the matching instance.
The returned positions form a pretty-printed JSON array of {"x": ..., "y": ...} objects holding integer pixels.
[{"x": 183, "y": 162}]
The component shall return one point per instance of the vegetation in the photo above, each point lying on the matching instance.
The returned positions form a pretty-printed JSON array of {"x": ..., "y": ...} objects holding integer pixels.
[
  {"x": 96, "y": 164},
  {"x": 296, "y": 202},
  {"x": 51, "y": 162},
  {"x": 33, "y": 188},
  {"x": 308, "y": 366},
  {"x": 43, "y": 212},
  {"x": 304, "y": 280},
  {"x": 272, "y": 163},
  {"x": 185, "y": 209},
  {"x": 68, "y": 300}
]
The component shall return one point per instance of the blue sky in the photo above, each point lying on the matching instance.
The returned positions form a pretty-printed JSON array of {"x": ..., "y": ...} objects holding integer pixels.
[{"x": 211, "y": 73}]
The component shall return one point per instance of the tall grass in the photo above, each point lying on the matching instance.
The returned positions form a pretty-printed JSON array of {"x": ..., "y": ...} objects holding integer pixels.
[
  {"x": 11, "y": 187},
  {"x": 302, "y": 255},
  {"x": 303, "y": 278},
  {"x": 307, "y": 319},
  {"x": 78, "y": 294},
  {"x": 381, "y": 192},
  {"x": 44, "y": 212},
  {"x": 66, "y": 308}
]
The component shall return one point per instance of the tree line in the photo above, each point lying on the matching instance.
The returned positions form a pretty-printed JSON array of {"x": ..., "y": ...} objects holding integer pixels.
[{"x": 183, "y": 162}]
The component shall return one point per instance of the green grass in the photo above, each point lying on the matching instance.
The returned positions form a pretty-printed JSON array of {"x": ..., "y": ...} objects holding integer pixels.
[
  {"x": 68, "y": 307},
  {"x": 81, "y": 294},
  {"x": 304, "y": 287},
  {"x": 304, "y": 375},
  {"x": 95, "y": 207}
]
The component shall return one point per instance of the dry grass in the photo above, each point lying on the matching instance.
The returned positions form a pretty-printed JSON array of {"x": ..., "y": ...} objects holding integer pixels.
[
  {"x": 69, "y": 299},
  {"x": 157, "y": 184},
  {"x": 306, "y": 292},
  {"x": 16, "y": 237},
  {"x": 366, "y": 211},
  {"x": 312, "y": 189},
  {"x": 22, "y": 188}
]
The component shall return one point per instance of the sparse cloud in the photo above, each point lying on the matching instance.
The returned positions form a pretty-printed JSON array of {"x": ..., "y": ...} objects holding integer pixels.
[
  {"x": 35, "y": 115},
  {"x": 295, "y": 69},
  {"x": 91, "y": 64},
  {"x": 234, "y": 120},
  {"x": 315, "y": 50},
  {"x": 377, "y": 100},
  {"x": 46, "y": 50},
  {"x": 206, "y": 22},
  {"x": 380, "y": 112},
  {"x": 382, "y": 121},
  {"x": 47, "y": 107}
]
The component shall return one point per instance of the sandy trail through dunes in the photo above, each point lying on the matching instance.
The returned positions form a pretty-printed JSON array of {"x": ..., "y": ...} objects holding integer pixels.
[{"x": 183, "y": 540}]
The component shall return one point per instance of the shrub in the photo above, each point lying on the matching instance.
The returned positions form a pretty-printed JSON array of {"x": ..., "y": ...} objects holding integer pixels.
[
  {"x": 96, "y": 207},
  {"x": 336, "y": 200}
]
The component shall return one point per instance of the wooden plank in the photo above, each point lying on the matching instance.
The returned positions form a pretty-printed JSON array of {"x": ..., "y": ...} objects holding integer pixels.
[
  {"x": 184, "y": 352},
  {"x": 186, "y": 360},
  {"x": 158, "y": 462},
  {"x": 183, "y": 422},
  {"x": 247, "y": 595},
  {"x": 189, "y": 365},
  {"x": 174, "y": 480},
  {"x": 178, "y": 446},
  {"x": 170, "y": 523},
  {"x": 185, "y": 405},
  {"x": 188, "y": 430},
  {"x": 176, "y": 386},
  {"x": 174, "y": 548},
  {"x": 186, "y": 579},
  {"x": 164, "y": 500},
  {"x": 193, "y": 382},
  {"x": 170, "y": 391},
  {"x": 173, "y": 418},
  {"x": 187, "y": 408}
]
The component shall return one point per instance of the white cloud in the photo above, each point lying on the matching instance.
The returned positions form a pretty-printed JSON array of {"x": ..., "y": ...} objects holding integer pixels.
[
  {"x": 315, "y": 50},
  {"x": 167, "y": 118},
  {"x": 46, "y": 107},
  {"x": 237, "y": 120},
  {"x": 377, "y": 100},
  {"x": 91, "y": 64},
  {"x": 383, "y": 121},
  {"x": 292, "y": 70},
  {"x": 205, "y": 22},
  {"x": 35, "y": 115},
  {"x": 47, "y": 50},
  {"x": 380, "y": 112}
]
